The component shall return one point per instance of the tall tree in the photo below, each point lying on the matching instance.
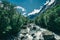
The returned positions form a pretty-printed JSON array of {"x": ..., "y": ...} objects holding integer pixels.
[
  {"x": 50, "y": 19},
  {"x": 10, "y": 20}
]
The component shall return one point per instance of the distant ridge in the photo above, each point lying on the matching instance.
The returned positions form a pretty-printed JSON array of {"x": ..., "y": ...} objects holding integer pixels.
[{"x": 47, "y": 5}]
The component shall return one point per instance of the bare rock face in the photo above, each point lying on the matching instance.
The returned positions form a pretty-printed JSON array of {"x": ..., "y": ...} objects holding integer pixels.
[{"x": 34, "y": 32}]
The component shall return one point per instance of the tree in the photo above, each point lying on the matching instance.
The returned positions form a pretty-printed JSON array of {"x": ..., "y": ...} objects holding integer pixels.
[
  {"x": 50, "y": 19},
  {"x": 10, "y": 20}
]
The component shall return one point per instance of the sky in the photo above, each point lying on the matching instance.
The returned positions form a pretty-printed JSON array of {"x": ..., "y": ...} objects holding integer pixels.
[{"x": 27, "y": 7}]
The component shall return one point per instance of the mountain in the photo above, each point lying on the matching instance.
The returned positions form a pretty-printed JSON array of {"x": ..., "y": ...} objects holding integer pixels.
[
  {"x": 45, "y": 26},
  {"x": 47, "y": 5},
  {"x": 27, "y": 5},
  {"x": 50, "y": 19}
]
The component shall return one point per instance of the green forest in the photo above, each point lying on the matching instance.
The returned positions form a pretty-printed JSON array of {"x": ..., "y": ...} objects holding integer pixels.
[
  {"x": 11, "y": 21},
  {"x": 50, "y": 19}
]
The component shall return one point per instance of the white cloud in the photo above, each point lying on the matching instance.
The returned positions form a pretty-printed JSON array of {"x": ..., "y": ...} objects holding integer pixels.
[
  {"x": 34, "y": 12},
  {"x": 49, "y": 3},
  {"x": 52, "y": 1},
  {"x": 19, "y": 7},
  {"x": 46, "y": 2},
  {"x": 38, "y": 10},
  {"x": 24, "y": 13}
]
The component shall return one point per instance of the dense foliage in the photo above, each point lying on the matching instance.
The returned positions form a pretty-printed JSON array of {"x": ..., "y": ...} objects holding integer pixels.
[
  {"x": 10, "y": 19},
  {"x": 50, "y": 19}
]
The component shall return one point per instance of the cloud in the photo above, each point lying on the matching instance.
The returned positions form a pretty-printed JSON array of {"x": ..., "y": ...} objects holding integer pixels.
[
  {"x": 46, "y": 2},
  {"x": 52, "y": 1},
  {"x": 23, "y": 10},
  {"x": 19, "y": 7},
  {"x": 38, "y": 10},
  {"x": 34, "y": 12},
  {"x": 24, "y": 13},
  {"x": 49, "y": 2}
]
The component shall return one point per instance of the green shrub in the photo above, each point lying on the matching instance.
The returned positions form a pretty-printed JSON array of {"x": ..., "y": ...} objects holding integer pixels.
[{"x": 10, "y": 20}]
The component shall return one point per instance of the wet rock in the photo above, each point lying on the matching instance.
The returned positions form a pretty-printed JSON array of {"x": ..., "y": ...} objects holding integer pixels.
[
  {"x": 48, "y": 35},
  {"x": 34, "y": 32}
]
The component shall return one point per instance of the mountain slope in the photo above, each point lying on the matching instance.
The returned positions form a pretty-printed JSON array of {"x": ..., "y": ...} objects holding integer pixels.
[
  {"x": 47, "y": 5},
  {"x": 50, "y": 19}
]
